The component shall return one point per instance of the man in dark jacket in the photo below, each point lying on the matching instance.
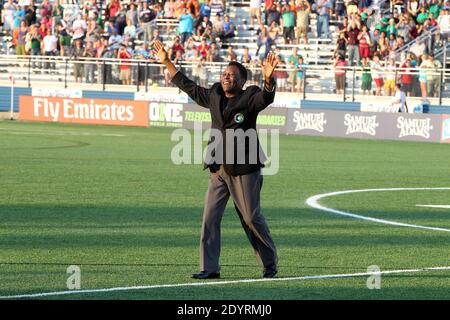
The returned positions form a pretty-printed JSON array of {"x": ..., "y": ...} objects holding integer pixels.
[{"x": 233, "y": 114}]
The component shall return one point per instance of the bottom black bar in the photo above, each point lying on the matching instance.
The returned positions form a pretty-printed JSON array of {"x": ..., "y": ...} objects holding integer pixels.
[{"x": 218, "y": 309}]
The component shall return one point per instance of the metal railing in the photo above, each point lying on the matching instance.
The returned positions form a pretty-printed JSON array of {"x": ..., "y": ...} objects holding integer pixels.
[
  {"x": 426, "y": 37},
  {"x": 318, "y": 81},
  {"x": 443, "y": 52}
]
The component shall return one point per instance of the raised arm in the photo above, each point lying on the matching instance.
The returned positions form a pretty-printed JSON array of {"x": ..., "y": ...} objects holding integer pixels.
[
  {"x": 164, "y": 58},
  {"x": 267, "y": 68},
  {"x": 198, "y": 94},
  {"x": 308, "y": 6},
  {"x": 265, "y": 97}
]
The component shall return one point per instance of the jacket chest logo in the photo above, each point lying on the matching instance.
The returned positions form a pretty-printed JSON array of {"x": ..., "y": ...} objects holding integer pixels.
[{"x": 238, "y": 118}]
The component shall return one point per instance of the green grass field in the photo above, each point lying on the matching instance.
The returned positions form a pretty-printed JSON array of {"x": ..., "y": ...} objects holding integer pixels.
[{"x": 109, "y": 200}]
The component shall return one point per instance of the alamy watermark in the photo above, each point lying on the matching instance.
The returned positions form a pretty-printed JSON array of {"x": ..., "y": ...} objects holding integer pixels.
[
  {"x": 74, "y": 279},
  {"x": 374, "y": 280},
  {"x": 229, "y": 146}
]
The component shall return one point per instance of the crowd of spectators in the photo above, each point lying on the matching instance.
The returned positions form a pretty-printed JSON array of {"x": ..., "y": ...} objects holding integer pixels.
[
  {"x": 376, "y": 44},
  {"x": 196, "y": 31},
  {"x": 367, "y": 37},
  {"x": 84, "y": 31}
]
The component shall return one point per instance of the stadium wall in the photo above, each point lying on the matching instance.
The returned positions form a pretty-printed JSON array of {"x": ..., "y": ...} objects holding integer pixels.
[
  {"x": 288, "y": 115},
  {"x": 287, "y": 100},
  {"x": 319, "y": 122}
]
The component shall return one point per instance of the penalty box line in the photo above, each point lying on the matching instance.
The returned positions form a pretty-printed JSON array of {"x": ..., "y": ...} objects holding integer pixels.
[
  {"x": 216, "y": 283},
  {"x": 313, "y": 202}
]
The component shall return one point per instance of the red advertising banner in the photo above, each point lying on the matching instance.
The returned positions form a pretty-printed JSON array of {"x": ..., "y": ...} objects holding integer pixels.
[{"x": 86, "y": 110}]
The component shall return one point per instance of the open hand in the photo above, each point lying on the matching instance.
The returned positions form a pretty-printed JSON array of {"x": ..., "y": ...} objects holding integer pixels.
[
  {"x": 160, "y": 51},
  {"x": 268, "y": 65}
]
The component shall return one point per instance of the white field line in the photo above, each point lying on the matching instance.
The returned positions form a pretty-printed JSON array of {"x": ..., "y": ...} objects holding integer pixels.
[
  {"x": 314, "y": 203},
  {"x": 218, "y": 283},
  {"x": 443, "y": 206},
  {"x": 59, "y": 133}
]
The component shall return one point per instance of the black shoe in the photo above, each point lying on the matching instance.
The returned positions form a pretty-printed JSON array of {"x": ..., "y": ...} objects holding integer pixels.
[
  {"x": 206, "y": 275},
  {"x": 269, "y": 273}
]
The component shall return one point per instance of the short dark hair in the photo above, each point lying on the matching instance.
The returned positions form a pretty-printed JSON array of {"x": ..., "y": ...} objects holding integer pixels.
[{"x": 241, "y": 68}]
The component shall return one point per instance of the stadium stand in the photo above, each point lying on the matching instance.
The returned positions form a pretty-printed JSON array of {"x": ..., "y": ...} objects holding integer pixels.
[{"x": 395, "y": 30}]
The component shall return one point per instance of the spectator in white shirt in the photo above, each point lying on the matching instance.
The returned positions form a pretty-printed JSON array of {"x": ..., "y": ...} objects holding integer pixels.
[
  {"x": 130, "y": 30},
  {"x": 79, "y": 27},
  {"x": 444, "y": 23},
  {"x": 8, "y": 12},
  {"x": 115, "y": 39},
  {"x": 217, "y": 6},
  {"x": 49, "y": 49},
  {"x": 399, "y": 102},
  {"x": 255, "y": 12}
]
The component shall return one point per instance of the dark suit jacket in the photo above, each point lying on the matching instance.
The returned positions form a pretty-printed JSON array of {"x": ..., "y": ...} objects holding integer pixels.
[{"x": 241, "y": 114}]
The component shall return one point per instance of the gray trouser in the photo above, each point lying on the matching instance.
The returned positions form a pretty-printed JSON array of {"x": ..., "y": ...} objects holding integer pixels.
[
  {"x": 89, "y": 72},
  {"x": 353, "y": 54},
  {"x": 148, "y": 28},
  {"x": 323, "y": 25},
  {"x": 36, "y": 52},
  {"x": 245, "y": 192},
  {"x": 433, "y": 87},
  {"x": 48, "y": 64}
]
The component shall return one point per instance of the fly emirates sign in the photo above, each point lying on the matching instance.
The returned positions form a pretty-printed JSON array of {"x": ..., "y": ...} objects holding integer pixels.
[{"x": 89, "y": 111}]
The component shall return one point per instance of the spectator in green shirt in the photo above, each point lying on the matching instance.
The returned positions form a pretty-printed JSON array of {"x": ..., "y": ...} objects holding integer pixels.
[
  {"x": 435, "y": 8},
  {"x": 382, "y": 25},
  {"x": 35, "y": 47},
  {"x": 288, "y": 23},
  {"x": 293, "y": 61},
  {"x": 64, "y": 40},
  {"x": 366, "y": 79},
  {"x": 98, "y": 19},
  {"x": 391, "y": 28},
  {"x": 58, "y": 11},
  {"x": 422, "y": 16}
]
